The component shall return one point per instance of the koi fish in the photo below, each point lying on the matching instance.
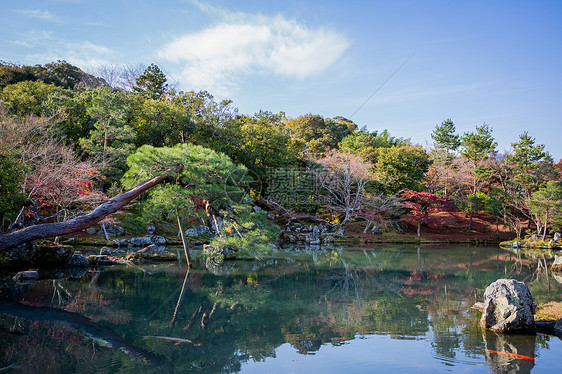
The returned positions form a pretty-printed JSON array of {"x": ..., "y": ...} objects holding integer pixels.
[
  {"x": 172, "y": 339},
  {"x": 512, "y": 355}
]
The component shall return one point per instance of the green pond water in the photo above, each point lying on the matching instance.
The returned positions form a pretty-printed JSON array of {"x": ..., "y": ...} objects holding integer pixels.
[{"x": 401, "y": 309}]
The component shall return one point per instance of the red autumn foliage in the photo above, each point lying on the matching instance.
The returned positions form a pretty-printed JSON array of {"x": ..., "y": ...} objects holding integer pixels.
[{"x": 421, "y": 204}]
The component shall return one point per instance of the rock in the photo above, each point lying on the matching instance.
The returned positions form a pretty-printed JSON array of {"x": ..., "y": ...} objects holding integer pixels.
[
  {"x": 313, "y": 238},
  {"x": 558, "y": 327},
  {"x": 91, "y": 230},
  {"x": 272, "y": 246},
  {"x": 152, "y": 252},
  {"x": 150, "y": 229},
  {"x": 147, "y": 240},
  {"x": 214, "y": 250},
  {"x": 105, "y": 251},
  {"x": 78, "y": 260},
  {"x": 257, "y": 209},
  {"x": 26, "y": 275},
  {"x": 159, "y": 240},
  {"x": 100, "y": 260},
  {"x": 292, "y": 238},
  {"x": 508, "y": 307},
  {"x": 557, "y": 264},
  {"x": 111, "y": 230},
  {"x": 557, "y": 236},
  {"x": 32, "y": 255},
  {"x": 515, "y": 244},
  {"x": 328, "y": 240},
  {"x": 192, "y": 231},
  {"x": 141, "y": 241}
]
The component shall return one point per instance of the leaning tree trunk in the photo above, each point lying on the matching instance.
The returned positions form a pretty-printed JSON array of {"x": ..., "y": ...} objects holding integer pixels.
[{"x": 48, "y": 230}]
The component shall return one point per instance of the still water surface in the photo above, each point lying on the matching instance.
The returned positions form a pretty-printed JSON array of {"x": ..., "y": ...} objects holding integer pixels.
[{"x": 357, "y": 310}]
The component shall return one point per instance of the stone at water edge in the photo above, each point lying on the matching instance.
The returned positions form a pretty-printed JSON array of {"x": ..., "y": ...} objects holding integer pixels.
[
  {"x": 78, "y": 260},
  {"x": 508, "y": 307}
]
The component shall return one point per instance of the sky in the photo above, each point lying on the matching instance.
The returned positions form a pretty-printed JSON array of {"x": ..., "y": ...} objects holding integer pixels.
[{"x": 401, "y": 65}]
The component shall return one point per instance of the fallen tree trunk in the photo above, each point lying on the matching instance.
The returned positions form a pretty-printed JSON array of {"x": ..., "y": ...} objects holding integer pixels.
[{"x": 48, "y": 230}]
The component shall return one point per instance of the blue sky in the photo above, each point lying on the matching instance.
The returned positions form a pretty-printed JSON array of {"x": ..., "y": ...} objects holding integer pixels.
[{"x": 494, "y": 62}]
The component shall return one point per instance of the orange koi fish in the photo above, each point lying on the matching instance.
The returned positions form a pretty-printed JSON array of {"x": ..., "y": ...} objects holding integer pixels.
[{"x": 512, "y": 355}]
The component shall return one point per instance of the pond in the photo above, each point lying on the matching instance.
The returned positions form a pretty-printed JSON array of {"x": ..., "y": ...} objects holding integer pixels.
[{"x": 330, "y": 310}]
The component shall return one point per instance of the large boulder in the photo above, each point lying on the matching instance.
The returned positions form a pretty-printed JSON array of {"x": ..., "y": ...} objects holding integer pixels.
[{"x": 508, "y": 307}]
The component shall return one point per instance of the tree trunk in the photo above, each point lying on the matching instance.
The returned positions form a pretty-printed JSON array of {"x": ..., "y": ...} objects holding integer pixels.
[
  {"x": 184, "y": 243},
  {"x": 419, "y": 227},
  {"x": 47, "y": 230}
]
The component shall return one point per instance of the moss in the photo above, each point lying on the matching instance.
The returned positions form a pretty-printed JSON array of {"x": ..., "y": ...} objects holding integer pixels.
[{"x": 551, "y": 311}]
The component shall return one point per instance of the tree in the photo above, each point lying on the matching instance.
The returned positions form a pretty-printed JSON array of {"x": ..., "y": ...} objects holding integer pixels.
[
  {"x": 399, "y": 168},
  {"x": 546, "y": 205},
  {"x": 530, "y": 165},
  {"x": 11, "y": 176},
  {"x": 151, "y": 84},
  {"x": 445, "y": 137},
  {"x": 478, "y": 150},
  {"x": 203, "y": 189},
  {"x": 421, "y": 204},
  {"x": 48, "y": 230},
  {"x": 260, "y": 143},
  {"x": 315, "y": 134},
  {"x": 111, "y": 137},
  {"x": 54, "y": 176},
  {"x": 366, "y": 144},
  {"x": 344, "y": 177}
]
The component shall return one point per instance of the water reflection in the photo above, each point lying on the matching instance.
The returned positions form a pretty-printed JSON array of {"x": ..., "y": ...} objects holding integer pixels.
[{"x": 220, "y": 316}]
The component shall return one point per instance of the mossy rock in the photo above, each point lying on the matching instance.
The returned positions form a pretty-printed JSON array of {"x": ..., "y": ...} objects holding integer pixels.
[{"x": 36, "y": 255}]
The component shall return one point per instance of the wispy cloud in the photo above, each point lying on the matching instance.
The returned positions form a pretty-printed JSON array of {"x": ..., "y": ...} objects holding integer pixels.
[
  {"x": 33, "y": 38},
  {"x": 37, "y": 13},
  {"x": 218, "y": 57}
]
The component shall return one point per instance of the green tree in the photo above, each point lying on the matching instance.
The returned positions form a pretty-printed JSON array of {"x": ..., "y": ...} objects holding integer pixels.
[
  {"x": 400, "y": 168},
  {"x": 478, "y": 150},
  {"x": 445, "y": 136},
  {"x": 366, "y": 144},
  {"x": 315, "y": 134},
  {"x": 546, "y": 205},
  {"x": 260, "y": 143},
  {"x": 11, "y": 175},
  {"x": 111, "y": 137},
  {"x": 529, "y": 165},
  {"x": 152, "y": 83}
]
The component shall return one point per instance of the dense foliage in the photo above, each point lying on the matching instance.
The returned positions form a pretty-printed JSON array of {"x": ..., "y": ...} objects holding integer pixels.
[{"x": 70, "y": 138}]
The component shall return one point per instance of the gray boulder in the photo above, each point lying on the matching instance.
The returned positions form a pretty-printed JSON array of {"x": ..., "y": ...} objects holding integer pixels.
[
  {"x": 508, "y": 307},
  {"x": 78, "y": 260},
  {"x": 192, "y": 231},
  {"x": 557, "y": 236},
  {"x": 147, "y": 240}
]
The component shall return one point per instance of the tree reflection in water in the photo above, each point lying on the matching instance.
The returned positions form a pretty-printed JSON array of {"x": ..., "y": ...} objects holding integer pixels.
[{"x": 240, "y": 311}]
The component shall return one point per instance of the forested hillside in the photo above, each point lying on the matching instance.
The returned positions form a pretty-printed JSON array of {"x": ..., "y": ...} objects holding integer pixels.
[{"x": 71, "y": 140}]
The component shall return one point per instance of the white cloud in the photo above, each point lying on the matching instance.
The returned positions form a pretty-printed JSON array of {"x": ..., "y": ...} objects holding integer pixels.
[
  {"x": 37, "y": 13},
  {"x": 217, "y": 57}
]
